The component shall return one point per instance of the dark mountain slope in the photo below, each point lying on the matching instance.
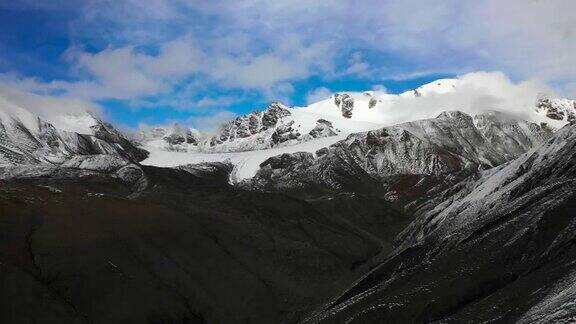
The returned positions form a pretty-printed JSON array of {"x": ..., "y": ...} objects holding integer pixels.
[
  {"x": 186, "y": 247},
  {"x": 496, "y": 249}
]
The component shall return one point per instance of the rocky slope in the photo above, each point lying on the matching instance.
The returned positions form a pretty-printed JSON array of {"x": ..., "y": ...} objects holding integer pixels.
[
  {"x": 28, "y": 139},
  {"x": 404, "y": 160},
  {"x": 558, "y": 109},
  {"x": 496, "y": 248},
  {"x": 276, "y": 126},
  {"x": 172, "y": 138}
]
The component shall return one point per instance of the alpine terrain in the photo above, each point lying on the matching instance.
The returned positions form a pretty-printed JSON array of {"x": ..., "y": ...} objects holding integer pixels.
[{"x": 348, "y": 210}]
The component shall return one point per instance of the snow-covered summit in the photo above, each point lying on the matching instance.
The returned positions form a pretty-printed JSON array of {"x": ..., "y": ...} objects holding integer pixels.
[
  {"x": 559, "y": 110},
  {"x": 472, "y": 93},
  {"x": 249, "y": 140},
  {"x": 26, "y": 138}
]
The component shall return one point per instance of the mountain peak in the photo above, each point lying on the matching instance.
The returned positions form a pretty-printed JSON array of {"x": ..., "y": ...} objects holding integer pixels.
[{"x": 454, "y": 114}]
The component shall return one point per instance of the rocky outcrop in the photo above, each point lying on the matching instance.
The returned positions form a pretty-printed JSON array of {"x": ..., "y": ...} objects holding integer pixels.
[
  {"x": 174, "y": 138},
  {"x": 323, "y": 128},
  {"x": 271, "y": 115},
  {"x": 274, "y": 127},
  {"x": 557, "y": 108},
  {"x": 121, "y": 145},
  {"x": 284, "y": 133},
  {"x": 182, "y": 137},
  {"x": 251, "y": 124},
  {"x": 345, "y": 103},
  {"x": 372, "y": 103}
]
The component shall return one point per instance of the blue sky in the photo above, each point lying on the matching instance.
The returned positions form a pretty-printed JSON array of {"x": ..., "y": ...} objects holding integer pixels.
[{"x": 157, "y": 61}]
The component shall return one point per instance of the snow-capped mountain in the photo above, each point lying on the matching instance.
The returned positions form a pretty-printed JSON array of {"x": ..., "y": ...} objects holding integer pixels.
[
  {"x": 404, "y": 159},
  {"x": 465, "y": 216},
  {"x": 557, "y": 109},
  {"x": 249, "y": 140},
  {"x": 173, "y": 137},
  {"x": 279, "y": 126},
  {"x": 25, "y": 138},
  {"x": 276, "y": 126}
]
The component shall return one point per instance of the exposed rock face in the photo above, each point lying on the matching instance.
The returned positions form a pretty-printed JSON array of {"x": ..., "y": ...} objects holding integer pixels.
[
  {"x": 271, "y": 115},
  {"x": 552, "y": 111},
  {"x": 347, "y": 107},
  {"x": 397, "y": 160},
  {"x": 181, "y": 138},
  {"x": 251, "y": 124},
  {"x": 43, "y": 143},
  {"x": 337, "y": 99},
  {"x": 496, "y": 247},
  {"x": 284, "y": 133},
  {"x": 271, "y": 128},
  {"x": 372, "y": 103},
  {"x": 123, "y": 147},
  {"x": 171, "y": 138},
  {"x": 345, "y": 103},
  {"x": 557, "y": 108},
  {"x": 323, "y": 128}
]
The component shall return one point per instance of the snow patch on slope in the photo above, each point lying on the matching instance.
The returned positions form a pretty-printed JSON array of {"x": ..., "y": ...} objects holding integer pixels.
[{"x": 246, "y": 163}]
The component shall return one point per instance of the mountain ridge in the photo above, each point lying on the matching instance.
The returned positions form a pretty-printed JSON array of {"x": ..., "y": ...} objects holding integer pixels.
[
  {"x": 26, "y": 138},
  {"x": 496, "y": 247},
  {"x": 406, "y": 155}
]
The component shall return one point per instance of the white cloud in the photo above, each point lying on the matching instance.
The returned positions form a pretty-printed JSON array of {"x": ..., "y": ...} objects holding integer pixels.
[
  {"x": 318, "y": 94},
  {"x": 290, "y": 60},
  {"x": 525, "y": 39},
  {"x": 208, "y": 124},
  {"x": 56, "y": 111},
  {"x": 124, "y": 73},
  {"x": 357, "y": 67},
  {"x": 183, "y": 101},
  {"x": 474, "y": 93},
  {"x": 47, "y": 106},
  {"x": 120, "y": 73},
  {"x": 380, "y": 88},
  {"x": 211, "y": 123},
  {"x": 264, "y": 46},
  {"x": 222, "y": 101}
]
